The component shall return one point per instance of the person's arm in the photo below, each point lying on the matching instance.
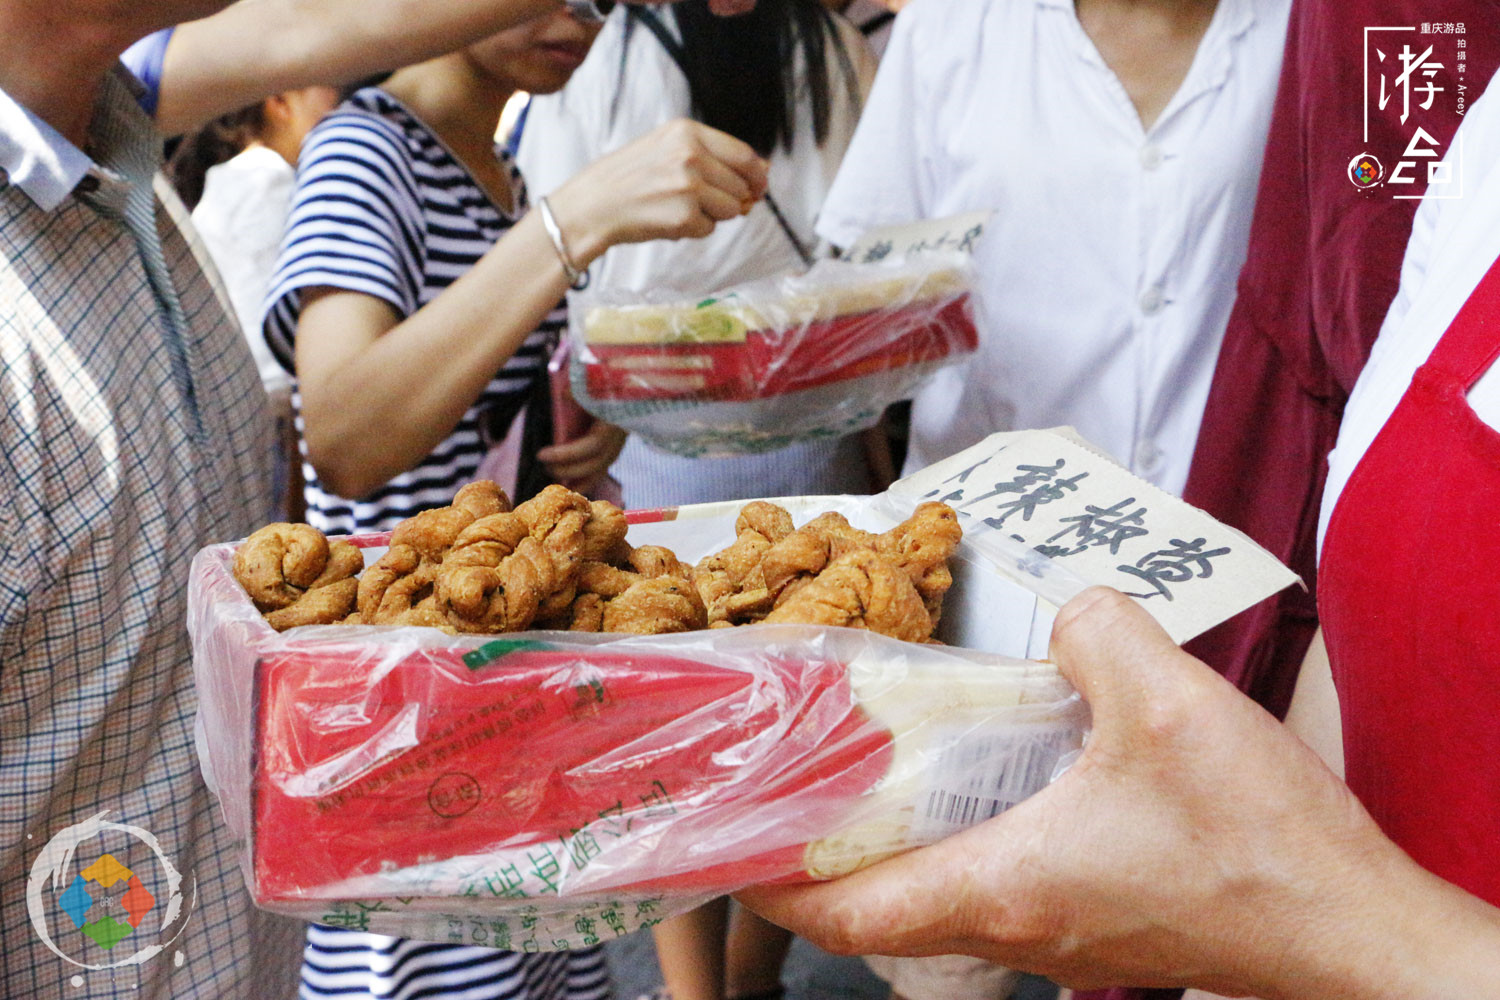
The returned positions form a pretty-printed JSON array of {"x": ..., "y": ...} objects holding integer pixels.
[
  {"x": 379, "y": 392},
  {"x": 255, "y": 48},
  {"x": 258, "y": 47},
  {"x": 1196, "y": 842},
  {"x": 1314, "y": 719},
  {"x": 1314, "y": 712}
]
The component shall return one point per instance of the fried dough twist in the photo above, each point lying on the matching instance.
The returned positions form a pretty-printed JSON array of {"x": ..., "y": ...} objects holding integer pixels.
[
  {"x": 326, "y": 605},
  {"x": 655, "y": 596},
  {"x": 296, "y": 576},
  {"x": 792, "y": 562},
  {"x": 495, "y": 577},
  {"x": 559, "y": 561},
  {"x": 279, "y": 562},
  {"x": 921, "y": 547},
  {"x": 860, "y": 589},
  {"x": 731, "y": 582},
  {"x": 403, "y": 578},
  {"x": 397, "y": 582},
  {"x": 604, "y": 534},
  {"x": 655, "y": 606},
  {"x": 557, "y": 518}
]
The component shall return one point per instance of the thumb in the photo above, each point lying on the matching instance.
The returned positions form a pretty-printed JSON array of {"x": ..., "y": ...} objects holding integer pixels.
[{"x": 1115, "y": 654}]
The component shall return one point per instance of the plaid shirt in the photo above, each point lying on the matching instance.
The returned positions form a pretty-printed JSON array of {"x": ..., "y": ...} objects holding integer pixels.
[{"x": 133, "y": 430}]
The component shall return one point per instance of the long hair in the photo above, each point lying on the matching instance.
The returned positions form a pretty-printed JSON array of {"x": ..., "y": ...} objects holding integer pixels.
[
  {"x": 742, "y": 71},
  {"x": 219, "y": 141}
]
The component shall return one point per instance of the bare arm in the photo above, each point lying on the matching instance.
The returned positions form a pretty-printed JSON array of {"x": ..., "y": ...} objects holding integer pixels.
[
  {"x": 379, "y": 393},
  {"x": 1314, "y": 714},
  {"x": 1195, "y": 843},
  {"x": 256, "y": 48}
]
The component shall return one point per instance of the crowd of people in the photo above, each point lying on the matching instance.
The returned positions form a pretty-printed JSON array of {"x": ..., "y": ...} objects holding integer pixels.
[{"x": 1183, "y": 262}]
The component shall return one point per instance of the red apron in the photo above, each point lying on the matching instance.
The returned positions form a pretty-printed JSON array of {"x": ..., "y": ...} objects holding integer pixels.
[{"x": 1409, "y": 598}]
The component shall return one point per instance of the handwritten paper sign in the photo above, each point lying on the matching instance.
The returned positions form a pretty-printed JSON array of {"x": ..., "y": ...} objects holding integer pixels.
[
  {"x": 954, "y": 234},
  {"x": 1057, "y": 516}
]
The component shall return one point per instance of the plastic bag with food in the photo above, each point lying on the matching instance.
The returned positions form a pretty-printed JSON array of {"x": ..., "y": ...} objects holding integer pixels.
[
  {"x": 545, "y": 790},
  {"x": 770, "y": 363}
]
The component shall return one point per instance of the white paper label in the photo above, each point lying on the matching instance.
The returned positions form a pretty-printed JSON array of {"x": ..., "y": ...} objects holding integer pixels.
[
  {"x": 986, "y": 772},
  {"x": 954, "y": 234},
  {"x": 1057, "y": 516}
]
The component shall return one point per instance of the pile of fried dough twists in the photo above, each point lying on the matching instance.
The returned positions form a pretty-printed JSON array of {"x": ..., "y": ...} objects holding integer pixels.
[{"x": 560, "y": 561}]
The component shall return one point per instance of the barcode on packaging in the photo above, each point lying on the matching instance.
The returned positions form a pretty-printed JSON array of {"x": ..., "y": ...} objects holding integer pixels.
[{"x": 981, "y": 774}]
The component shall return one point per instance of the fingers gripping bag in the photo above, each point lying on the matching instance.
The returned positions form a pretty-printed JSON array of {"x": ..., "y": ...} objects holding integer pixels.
[
  {"x": 774, "y": 362},
  {"x": 546, "y": 790}
]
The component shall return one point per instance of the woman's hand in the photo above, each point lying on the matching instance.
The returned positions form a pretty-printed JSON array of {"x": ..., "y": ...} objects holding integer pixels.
[
  {"x": 1196, "y": 842},
  {"x": 581, "y": 463},
  {"x": 678, "y": 180}
]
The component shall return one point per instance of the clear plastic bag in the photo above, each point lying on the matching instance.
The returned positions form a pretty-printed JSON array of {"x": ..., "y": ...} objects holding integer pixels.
[
  {"x": 774, "y": 362},
  {"x": 540, "y": 791}
]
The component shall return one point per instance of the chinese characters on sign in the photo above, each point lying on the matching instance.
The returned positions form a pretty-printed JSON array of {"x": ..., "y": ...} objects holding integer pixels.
[
  {"x": 1107, "y": 527},
  {"x": 956, "y": 234},
  {"x": 955, "y": 241},
  {"x": 1415, "y": 74},
  {"x": 1056, "y": 516}
]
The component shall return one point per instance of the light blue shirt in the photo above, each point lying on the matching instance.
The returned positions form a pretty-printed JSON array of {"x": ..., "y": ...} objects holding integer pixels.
[{"x": 36, "y": 157}]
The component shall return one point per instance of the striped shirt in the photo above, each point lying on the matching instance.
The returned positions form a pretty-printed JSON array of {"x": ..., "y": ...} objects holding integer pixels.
[
  {"x": 354, "y": 964},
  {"x": 132, "y": 432},
  {"x": 383, "y": 208}
]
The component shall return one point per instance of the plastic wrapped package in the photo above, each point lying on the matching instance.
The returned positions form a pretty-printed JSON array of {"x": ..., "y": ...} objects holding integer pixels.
[
  {"x": 543, "y": 790},
  {"x": 770, "y": 363}
]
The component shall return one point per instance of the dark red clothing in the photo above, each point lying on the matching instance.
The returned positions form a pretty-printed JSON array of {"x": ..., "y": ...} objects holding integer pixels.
[
  {"x": 1409, "y": 611},
  {"x": 1322, "y": 269},
  {"x": 1323, "y": 266}
]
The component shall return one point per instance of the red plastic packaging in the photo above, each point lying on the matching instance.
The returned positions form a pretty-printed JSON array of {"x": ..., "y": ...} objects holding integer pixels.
[
  {"x": 545, "y": 790},
  {"x": 773, "y": 362}
]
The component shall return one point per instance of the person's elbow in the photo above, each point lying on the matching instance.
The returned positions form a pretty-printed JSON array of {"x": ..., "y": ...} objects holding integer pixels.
[
  {"x": 342, "y": 466},
  {"x": 345, "y": 479}
]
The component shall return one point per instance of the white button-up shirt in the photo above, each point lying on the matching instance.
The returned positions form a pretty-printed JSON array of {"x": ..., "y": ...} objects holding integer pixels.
[
  {"x": 241, "y": 217},
  {"x": 1108, "y": 270}
]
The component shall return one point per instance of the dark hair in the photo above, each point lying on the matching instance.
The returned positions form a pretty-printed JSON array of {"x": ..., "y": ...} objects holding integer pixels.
[
  {"x": 742, "y": 71},
  {"x": 220, "y": 140}
]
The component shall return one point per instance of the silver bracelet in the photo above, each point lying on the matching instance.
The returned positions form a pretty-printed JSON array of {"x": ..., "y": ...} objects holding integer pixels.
[{"x": 578, "y": 280}]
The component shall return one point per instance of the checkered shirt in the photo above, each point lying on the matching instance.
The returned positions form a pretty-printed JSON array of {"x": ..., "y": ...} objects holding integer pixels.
[{"x": 133, "y": 431}]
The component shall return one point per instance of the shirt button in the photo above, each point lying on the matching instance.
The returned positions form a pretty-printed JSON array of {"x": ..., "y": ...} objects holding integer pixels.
[
  {"x": 1152, "y": 300},
  {"x": 1151, "y": 156}
]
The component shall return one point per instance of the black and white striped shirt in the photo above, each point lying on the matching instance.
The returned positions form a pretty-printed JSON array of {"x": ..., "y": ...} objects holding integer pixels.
[
  {"x": 383, "y": 208},
  {"x": 354, "y": 965}
]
